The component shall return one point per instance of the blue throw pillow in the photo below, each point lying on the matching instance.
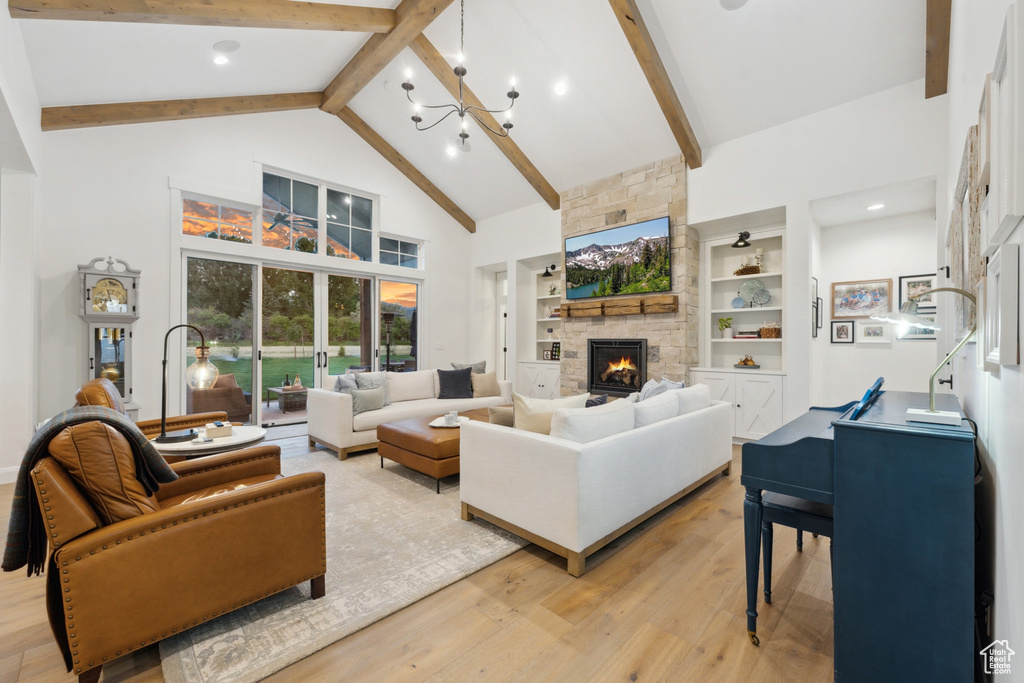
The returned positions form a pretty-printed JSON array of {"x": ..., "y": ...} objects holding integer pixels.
[
  {"x": 597, "y": 400},
  {"x": 455, "y": 383}
]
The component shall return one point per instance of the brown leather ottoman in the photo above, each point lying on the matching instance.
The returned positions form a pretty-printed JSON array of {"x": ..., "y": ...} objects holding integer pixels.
[{"x": 433, "y": 451}]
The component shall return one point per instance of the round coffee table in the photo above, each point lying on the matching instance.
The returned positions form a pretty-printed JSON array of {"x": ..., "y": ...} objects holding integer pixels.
[{"x": 241, "y": 436}]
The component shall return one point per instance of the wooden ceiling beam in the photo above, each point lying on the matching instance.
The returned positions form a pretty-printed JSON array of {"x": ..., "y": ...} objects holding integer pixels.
[
  {"x": 936, "y": 55},
  {"x": 411, "y": 17},
  {"x": 646, "y": 52},
  {"x": 408, "y": 170},
  {"x": 436, "y": 63},
  {"x": 93, "y": 115},
  {"x": 247, "y": 13}
]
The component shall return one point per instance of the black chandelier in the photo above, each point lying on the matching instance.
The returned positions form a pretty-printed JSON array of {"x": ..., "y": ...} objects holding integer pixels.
[{"x": 461, "y": 109}]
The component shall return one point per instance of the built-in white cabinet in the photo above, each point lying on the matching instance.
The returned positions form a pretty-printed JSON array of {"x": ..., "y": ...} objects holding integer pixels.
[
  {"x": 756, "y": 398},
  {"x": 538, "y": 379}
]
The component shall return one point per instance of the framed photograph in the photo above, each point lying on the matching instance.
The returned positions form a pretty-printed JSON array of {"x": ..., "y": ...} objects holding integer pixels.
[
  {"x": 916, "y": 333},
  {"x": 556, "y": 351},
  {"x": 842, "y": 331},
  {"x": 820, "y": 307},
  {"x": 861, "y": 298},
  {"x": 546, "y": 354},
  {"x": 911, "y": 285},
  {"x": 873, "y": 332},
  {"x": 1002, "y": 345}
]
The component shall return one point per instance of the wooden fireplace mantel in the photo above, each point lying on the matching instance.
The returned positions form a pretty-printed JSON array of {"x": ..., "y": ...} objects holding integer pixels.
[{"x": 631, "y": 305}]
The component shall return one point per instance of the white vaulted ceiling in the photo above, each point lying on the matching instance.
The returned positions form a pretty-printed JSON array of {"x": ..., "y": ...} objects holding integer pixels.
[{"x": 736, "y": 72}]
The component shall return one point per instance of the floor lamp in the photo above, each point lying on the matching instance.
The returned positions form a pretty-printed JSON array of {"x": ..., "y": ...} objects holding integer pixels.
[{"x": 200, "y": 375}]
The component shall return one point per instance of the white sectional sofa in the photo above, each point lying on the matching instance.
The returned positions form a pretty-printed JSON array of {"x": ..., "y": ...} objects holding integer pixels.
[
  {"x": 574, "y": 498},
  {"x": 412, "y": 394}
]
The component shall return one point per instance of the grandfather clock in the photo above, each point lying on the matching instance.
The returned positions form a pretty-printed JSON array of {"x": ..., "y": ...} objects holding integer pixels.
[{"x": 110, "y": 306}]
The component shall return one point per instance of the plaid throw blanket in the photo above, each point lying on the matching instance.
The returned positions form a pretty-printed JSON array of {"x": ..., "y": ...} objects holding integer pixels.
[{"x": 26, "y": 532}]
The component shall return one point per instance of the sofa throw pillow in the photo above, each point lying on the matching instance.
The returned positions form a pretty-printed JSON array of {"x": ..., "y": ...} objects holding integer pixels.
[
  {"x": 693, "y": 398},
  {"x": 455, "y": 383},
  {"x": 534, "y": 414},
  {"x": 485, "y": 384},
  {"x": 651, "y": 389},
  {"x": 583, "y": 425},
  {"x": 501, "y": 415},
  {"x": 345, "y": 383},
  {"x": 656, "y": 409},
  {"x": 671, "y": 385},
  {"x": 480, "y": 367},
  {"x": 372, "y": 380},
  {"x": 597, "y": 400},
  {"x": 367, "y": 399},
  {"x": 410, "y": 386}
]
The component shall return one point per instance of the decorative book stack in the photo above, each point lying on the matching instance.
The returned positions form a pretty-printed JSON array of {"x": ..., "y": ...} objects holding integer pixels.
[{"x": 745, "y": 334}]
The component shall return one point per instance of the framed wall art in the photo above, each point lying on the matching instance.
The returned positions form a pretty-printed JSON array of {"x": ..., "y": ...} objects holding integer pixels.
[
  {"x": 873, "y": 332},
  {"x": 861, "y": 298},
  {"x": 916, "y": 333},
  {"x": 842, "y": 331},
  {"x": 1006, "y": 131},
  {"x": 915, "y": 284},
  {"x": 1001, "y": 327}
]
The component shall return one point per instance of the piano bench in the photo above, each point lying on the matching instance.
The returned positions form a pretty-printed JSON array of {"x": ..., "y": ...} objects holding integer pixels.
[{"x": 798, "y": 513}]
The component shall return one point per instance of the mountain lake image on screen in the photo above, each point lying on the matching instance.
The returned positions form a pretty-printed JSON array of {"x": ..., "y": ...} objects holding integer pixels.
[{"x": 630, "y": 259}]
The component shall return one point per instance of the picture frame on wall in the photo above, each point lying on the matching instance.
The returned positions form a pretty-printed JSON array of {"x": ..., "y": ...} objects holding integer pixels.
[
  {"x": 842, "y": 331},
  {"x": 917, "y": 333},
  {"x": 874, "y": 332},
  {"x": 861, "y": 298},
  {"x": 915, "y": 284}
]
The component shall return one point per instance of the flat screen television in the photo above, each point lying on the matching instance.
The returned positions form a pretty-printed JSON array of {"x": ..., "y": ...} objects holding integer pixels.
[{"x": 629, "y": 259}]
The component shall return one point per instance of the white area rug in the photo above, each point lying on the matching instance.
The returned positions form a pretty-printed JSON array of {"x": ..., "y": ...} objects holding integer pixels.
[{"x": 390, "y": 541}]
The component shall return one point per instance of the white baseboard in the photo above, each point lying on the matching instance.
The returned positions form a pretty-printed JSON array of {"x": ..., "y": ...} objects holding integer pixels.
[{"x": 8, "y": 474}]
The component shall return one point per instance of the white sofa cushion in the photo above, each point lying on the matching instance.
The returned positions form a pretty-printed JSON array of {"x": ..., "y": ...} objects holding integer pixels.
[
  {"x": 590, "y": 424},
  {"x": 409, "y": 386},
  {"x": 693, "y": 398},
  {"x": 655, "y": 409},
  {"x": 534, "y": 414},
  {"x": 424, "y": 407}
]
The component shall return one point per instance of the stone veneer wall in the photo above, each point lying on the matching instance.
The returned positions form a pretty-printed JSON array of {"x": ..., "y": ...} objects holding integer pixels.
[{"x": 651, "y": 191}]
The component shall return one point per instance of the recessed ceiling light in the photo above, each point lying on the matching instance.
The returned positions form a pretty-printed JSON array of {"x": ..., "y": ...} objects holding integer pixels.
[
  {"x": 876, "y": 207},
  {"x": 226, "y": 46},
  {"x": 451, "y": 150},
  {"x": 220, "y": 60},
  {"x": 561, "y": 87},
  {"x": 732, "y": 4}
]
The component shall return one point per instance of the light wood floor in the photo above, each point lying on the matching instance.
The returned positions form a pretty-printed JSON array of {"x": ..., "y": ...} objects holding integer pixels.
[{"x": 667, "y": 607}]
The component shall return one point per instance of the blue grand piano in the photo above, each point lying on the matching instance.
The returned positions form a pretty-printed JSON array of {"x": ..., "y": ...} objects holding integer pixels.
[{"x": 903, "y": 524}]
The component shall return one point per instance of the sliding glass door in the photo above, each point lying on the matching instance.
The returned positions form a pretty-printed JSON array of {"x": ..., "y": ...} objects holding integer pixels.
[
  {"x": 287, "y": 343},
  {"x": 398, "y": 325},
  {"x": 220, "y": 301},
  {"x": 311, "y": 325}
]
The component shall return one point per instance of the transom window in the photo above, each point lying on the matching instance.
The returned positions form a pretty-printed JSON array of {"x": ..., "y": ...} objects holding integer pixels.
[
  {"x": 349, "y": 226},
  {"x": 216, "y": 221},
  {"x": 290, "y": 213},
  {"x": 399, "y": 252}
]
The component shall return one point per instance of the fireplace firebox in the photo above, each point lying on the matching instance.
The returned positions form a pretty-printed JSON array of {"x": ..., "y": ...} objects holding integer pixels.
[{"x": 616, "y": 366}]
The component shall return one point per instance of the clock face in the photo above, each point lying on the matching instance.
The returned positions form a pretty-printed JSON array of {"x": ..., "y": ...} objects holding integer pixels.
[{"x": 109, "y": 296}]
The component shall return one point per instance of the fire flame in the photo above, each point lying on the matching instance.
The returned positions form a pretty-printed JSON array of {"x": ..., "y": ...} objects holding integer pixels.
[{"x": 623, "y": 364}]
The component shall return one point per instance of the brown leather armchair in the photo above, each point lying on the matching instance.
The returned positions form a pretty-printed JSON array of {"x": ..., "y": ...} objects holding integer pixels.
[
  {"x": 224, "y": 395},
  {"x": 102, "y": 392},
  {"x": 127, "y": 569}
]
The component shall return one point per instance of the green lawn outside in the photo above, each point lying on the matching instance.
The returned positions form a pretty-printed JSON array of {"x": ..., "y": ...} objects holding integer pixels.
[{"x": 274, "y": 369}]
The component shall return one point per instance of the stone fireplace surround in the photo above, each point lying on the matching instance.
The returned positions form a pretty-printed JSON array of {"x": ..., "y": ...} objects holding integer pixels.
[{"x": 650, "y": 191}]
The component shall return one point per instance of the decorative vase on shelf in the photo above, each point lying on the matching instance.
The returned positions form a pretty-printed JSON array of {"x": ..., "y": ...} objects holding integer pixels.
[
  {"x": 727, "y": 333},
  {"x": 550, "y": 330}
]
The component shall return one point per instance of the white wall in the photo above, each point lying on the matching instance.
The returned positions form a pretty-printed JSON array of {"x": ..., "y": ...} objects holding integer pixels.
[
  {"x": 104, "y": 191},
  {"x": 886, "y": 138},
  {"x": 879, "y": 249},
  {"x": 512, "y": 242},
  {"x": 19, "y": 335},
  {"x": 994, "y": 400},
  {"x": 19, "y": 105}
]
